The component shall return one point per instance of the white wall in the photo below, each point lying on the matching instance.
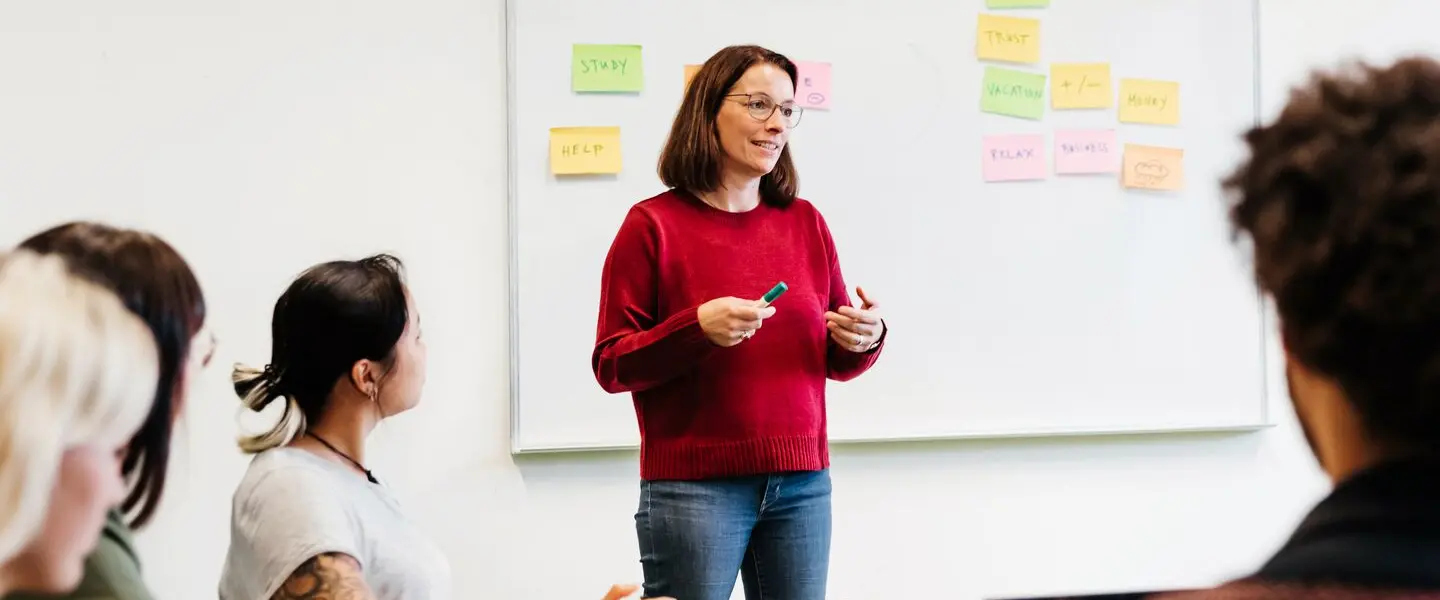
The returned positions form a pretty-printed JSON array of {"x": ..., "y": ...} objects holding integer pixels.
[{"x": 263, "y": 136}]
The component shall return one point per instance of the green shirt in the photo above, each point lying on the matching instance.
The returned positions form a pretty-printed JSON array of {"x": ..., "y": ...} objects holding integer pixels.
[{"x": 112, "y": 571}]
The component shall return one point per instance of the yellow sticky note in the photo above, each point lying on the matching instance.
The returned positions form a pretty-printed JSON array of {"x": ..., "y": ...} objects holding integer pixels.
[
  {"x": 584, "y": 150},
  {"x": 1149, "y": 101},
  {"x": 1153, "y": 168},
  {"x": 690, "y": 71},
  {"x": 1080, "y": 85},
  {"x": 1008, "y": 39}
]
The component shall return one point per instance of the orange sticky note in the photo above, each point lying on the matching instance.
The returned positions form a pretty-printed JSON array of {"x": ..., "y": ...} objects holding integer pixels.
[
  {"x": 1153, "y": 168},
  {"x": 1149, "y": 101},
  {"x": 584, "y": 150},
  {"x": 690, "y": 71},
  {"x": 1008, "y": 39}
]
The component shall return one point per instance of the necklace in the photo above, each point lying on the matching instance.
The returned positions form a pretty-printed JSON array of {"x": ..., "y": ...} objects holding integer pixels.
[{"x": 345, "y": 456}]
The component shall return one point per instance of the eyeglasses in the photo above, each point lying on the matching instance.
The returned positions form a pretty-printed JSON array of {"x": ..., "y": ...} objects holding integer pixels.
[{"x": 761, "y": 107}]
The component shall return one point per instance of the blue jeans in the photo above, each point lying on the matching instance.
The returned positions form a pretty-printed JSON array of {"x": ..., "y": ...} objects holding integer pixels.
[{"x": 774, "y": 530}]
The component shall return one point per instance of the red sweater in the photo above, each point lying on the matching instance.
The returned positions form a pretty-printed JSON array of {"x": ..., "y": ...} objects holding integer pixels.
[{"x": 705, "y": 411}]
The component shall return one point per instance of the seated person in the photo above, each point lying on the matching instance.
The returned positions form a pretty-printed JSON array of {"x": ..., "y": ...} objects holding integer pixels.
[
  {"x": 77, "y": 374},
  {"x": 1340, "y": 198}
]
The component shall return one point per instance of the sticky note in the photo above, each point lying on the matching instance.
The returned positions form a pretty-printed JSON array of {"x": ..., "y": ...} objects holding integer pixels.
[
  {"x": 1013, "y": 93},
  {"x": 814, "y": 88},
  {"x": 1079, "y": 151},
  {"x": 1153, "y": 168},
  {"x": 606, "y": 68},
  {"x": 1012, "y": 157},
  {"x": 584, "y": 150},
  {"x": 690, "y": 71},
  {"x": 1149, "y": 101},
  {"x": 1008, "y": 39},
  {"x": 1017, "y": 3},
  {"x": 1080, "y": 85}
]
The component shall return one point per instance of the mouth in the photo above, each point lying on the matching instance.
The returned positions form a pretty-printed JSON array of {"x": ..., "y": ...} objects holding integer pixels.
[{"x": 767, "y": 146}]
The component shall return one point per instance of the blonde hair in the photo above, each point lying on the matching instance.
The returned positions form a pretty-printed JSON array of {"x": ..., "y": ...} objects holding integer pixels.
[
  {"x": 256, "y": 389},
  {"x": 76, "y": 368}
]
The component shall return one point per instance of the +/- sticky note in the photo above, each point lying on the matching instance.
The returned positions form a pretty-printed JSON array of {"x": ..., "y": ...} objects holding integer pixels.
[
  {"x": 1017, "y": 157},
  {"x": 584, "y": 150},
  {"x": 1079, "y": 151},
  {"x": 814, "y": 88},
  {"x": 1013, "y": 93},
  {"x": 606, "y": 68},
  {"x": 1008, "y": 39},
  {"x": 1080, "y": 85},
  {"x": 690, "y": 71},
  {"x": 1153, "y": 168},
  {"x": 1017, "y": 3},
  {"x": 1149, "y": 101}
]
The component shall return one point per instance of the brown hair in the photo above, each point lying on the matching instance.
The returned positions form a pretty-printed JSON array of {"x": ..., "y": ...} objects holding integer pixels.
[
  {"x": 157, "y": 285},
  {"x": 1341, "y": 201},
  {"x": 692, "y": 155}
]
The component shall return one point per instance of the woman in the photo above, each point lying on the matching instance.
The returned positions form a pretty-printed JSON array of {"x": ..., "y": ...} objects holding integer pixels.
[
  {"x": 77, "y": 373},
  {"x": 158, "y": 286},
  {"x": 734, "y": 457},
  {"x": 309, "y": 519},
  {"x": 346, "y": 353}
]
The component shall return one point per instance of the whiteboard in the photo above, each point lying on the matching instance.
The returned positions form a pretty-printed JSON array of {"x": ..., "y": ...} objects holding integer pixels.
[{"x": 1065, "y": 306}]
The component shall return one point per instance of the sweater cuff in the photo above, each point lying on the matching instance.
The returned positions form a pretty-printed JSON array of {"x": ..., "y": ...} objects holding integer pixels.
[{"x": 884, "y": 333}]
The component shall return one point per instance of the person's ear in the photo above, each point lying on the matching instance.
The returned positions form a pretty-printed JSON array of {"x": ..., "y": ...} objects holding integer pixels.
[{"x": 365, "y": 377}]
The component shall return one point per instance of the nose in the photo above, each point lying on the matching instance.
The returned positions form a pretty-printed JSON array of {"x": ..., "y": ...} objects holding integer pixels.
[{"x": 776, "y": 123}]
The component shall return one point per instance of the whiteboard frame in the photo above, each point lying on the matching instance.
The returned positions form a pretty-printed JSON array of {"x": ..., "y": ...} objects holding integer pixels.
[{"x": 513, "y": 284}]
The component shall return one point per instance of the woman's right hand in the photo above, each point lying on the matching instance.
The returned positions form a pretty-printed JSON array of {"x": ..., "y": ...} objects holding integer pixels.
[
  {"x": 728, "y": 321},
  {"x": 621, "y": 592}
]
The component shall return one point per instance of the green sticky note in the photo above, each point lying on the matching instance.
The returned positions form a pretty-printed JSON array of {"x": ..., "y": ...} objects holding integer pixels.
[
  {"x": 1013, "y": 93},
  {"x": 606, "y": 68},
  {"x": 1017, "y": 3}
]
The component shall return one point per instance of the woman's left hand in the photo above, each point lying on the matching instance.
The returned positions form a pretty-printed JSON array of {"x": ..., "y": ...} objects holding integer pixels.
[{"x": 856, "y": 329}]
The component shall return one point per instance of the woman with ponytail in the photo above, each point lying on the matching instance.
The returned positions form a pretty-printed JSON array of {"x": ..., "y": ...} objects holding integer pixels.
[{"x": 308, "y": 518}]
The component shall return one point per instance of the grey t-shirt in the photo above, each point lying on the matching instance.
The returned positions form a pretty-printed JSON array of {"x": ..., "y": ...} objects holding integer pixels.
[{"x": 292, "y": 505}]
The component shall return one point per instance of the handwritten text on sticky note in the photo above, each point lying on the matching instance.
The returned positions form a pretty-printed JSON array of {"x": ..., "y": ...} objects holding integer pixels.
[
  {"x": 1008, "y": 39},
  {"x": 1012, "y": 157},
  {"x": 1080, "y": 151},
  {"x": 606, "y": 68},
  {"x": 1153, "y": 167},
  {"x": 584, "y": 150},
  {"x": 1080, "y": 85},
  {"x": 1149, "y": 101},
  {"x": 1017, "y": 3},
  {"x": 1013, "y": 93},
  {"x": 813, "y": 90}
]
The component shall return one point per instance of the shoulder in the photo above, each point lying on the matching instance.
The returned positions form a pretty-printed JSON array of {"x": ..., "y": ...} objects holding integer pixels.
[
  {"x": 658, "y": 208},
  {"x": 112, "y": 570},
  {"x": 286, "y": 480},
  {"x": 803, "y": 210},
  {"x": 645, "y": 220}
]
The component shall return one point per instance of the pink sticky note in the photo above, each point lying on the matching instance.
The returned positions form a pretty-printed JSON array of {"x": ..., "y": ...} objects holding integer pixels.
[
  {"x": 1012, "y": 157},
  {"x": 1086, "y": 151},
  {"x": 814, "y": 88}
]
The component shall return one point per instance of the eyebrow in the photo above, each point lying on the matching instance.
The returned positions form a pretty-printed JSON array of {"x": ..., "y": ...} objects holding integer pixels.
[{"x": 767, "y": 95}]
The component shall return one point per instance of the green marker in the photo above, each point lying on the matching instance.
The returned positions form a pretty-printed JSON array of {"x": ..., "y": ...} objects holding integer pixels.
[{"x": 774, "y": 293}]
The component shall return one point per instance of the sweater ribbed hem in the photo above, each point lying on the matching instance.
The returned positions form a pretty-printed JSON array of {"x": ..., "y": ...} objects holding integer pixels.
[{"x": 690, "y": 459}]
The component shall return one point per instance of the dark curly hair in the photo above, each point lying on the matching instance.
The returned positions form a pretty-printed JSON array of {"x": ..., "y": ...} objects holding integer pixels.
[{"x": 1340, "y": 199}]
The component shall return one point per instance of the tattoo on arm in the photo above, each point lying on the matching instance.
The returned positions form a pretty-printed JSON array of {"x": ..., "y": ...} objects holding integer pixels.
[{"x": 326, "y": 577}]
